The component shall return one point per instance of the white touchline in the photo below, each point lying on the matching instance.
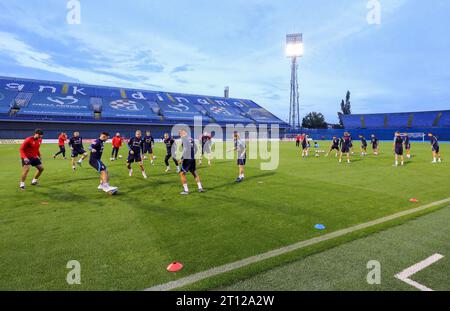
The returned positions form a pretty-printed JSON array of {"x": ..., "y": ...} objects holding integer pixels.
[
  {"x": 287, "y": 249},
  {"x": 407, "y": 273}
]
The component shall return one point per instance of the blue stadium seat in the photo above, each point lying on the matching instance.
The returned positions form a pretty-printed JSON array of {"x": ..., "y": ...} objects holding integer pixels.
[
  {"x": 6, "y": 101},
  {"x": 179, "y": 107},
  {"x": 424, "y": 119},
  {"x": 398, "y": 120},
  {"x": 127, "y": 109},
  {"x": 352, "y": 121}
]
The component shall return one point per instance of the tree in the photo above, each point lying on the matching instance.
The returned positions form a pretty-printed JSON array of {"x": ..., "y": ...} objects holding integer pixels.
[
  {"x": 346, "y": 108},
  {"x": 314, "y": 120}
]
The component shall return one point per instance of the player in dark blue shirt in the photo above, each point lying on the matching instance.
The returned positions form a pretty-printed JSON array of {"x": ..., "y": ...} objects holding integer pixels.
[
  {"x": 147, "y": 146},
  {"x": 334, "y": 146},
  {"x": 398, "y": 148},
  {"x": 345, "y": 147},
  {"x": 171, "y": 151},
  {"x": 95, "y": 160},
  {"x": 407, "y": 143},
  {"x": 76, "y": 145},
  {"x": 363, "y": 145},
  {"x": 435, "y": 148},
  {"x": 135, "y": 146},
  {"x": 188, "y": 164},
  {"x": 375, "y": 144}
]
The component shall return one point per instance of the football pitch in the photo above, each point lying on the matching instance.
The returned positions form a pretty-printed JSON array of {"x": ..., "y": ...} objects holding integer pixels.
[{"x": 125, "y": 242}]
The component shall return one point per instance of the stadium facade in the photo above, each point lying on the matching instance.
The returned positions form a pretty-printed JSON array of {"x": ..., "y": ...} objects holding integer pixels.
[{"x": 66, "y": 107}]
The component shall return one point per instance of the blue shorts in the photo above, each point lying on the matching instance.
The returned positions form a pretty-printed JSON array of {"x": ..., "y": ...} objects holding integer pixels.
[
  {"x": 32, "y": 161},
  {"x": 399, "y": 151},
  {"x": 98, "y": 165},
  {"x": 136, "y": 157},
  {"x": 345, "y": 149},
  {"x": 189, "y": 166},
  {"x": 77, "y": 152},
  {"x": 148, "y": 149},
  {"x": 242, "y": 161},
  {"x": 435, "y": 149}
]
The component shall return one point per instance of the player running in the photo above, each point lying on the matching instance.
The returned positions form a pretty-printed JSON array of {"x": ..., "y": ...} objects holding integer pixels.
[
  {"x": 31, "y": 156},
  {"x": 61, "y": 144},
  {"x": 76, "y": 145},
  {"x": 136, "y": 145},
  {"x": 171, "y": 151},
  {"x": 375, "y": 143},
  {"x": 345, "y": 147},
  {"x": 398, "y": 148},
  {"x": 116, "y": 144},
  {"x": 188, "y": 163},
  {"x": 206, "y": 140},
  {"x": 241, "y": 148},
  {"x": 407, "y": 143},
  {"x": 305, "y": 146},
  {"x": 435, "y": 148},
  {"x": 363, "y": 145},
  {"x": 95, "y": 160},
  {"x": 334, "y": 146},
  {"x": 147, "y": 147}
]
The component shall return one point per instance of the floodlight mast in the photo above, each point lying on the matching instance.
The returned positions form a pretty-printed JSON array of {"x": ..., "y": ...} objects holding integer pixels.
[{"x": 294, "y": 50}]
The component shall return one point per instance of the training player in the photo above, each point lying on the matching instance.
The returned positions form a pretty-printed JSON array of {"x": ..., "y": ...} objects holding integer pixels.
[
  {"x": 171, "y": 151},
  {"x": 334, "y": 146},
  {"x": 31, "y": 156},
  {"x": 435, "y": 148},
  {"x": 298, "y": 139},
  {"x": 241, "y": 148},
  {"x": 95, "y": 160},
  {"x": 345, "y": 147},
  {"x": 61, "y": 144},
  {"x": 188, "y": 163},
  {"x": 363, "y": 145},
  {"x": 147, "y": 147},
  {"x": 116, "y": 144},
  {"x": 135, "y": 145},
  {"x": 206, "y": 147},
  {"x": 398, "y": 148},
  {"x": 76, "y": 145},
  {"x": 406, "y": 141},
  {"x": 375, "y": 144},
  {"x": 305, "y": 146}
]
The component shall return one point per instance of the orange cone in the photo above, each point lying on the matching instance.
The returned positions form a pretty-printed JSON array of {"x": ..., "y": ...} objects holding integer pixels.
[
  {"x": 413, "y": 200},
  {"x": 175, "y": 267}
]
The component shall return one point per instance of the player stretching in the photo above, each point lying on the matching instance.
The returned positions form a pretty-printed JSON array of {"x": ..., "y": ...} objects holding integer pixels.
[
  {"x": 31, "y": 156},
  {"x": 95, "y": 160},
  {"x": 61, "y": 144},
  {"x": 135, "y": 145},
  {"x": 406, "y": 141},
  {"x": 398, "y": 148},
  {"x": 171, "y": 150},
  {"x": 116, "y": 144},
  {"x": 334, "y": 146},
  {"x": 345, "y": 147},
  {"x": 148, "y": 145},
  {"x": 363, "y": 145},
  {"x": 375, "y": 144},
  {"x": 241, "y": 148},
  {"x": 435, "y": 148},
  {"x": 305, "y": 146},
  {"x": 76, "y": 145},
  {"x": 188, "y": 164},
  {"x": 206, "y": 147}
]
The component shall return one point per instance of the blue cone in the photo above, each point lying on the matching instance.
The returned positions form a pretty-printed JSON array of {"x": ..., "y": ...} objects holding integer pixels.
[{"x": 319, "y": 227}]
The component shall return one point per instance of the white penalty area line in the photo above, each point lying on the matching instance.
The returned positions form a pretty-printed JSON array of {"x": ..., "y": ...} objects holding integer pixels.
[
  {"x": 406, "y": 274},
  {"x": 284, "y": 250}
]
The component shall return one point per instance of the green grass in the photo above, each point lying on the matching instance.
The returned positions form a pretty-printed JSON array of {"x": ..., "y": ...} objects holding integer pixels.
[
  {"x": 345, "y": 267},
  {"x": 125, "y": 242}
]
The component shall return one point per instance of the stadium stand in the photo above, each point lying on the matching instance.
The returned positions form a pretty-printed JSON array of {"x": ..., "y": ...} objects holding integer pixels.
[{"x": 65, "y": 106}]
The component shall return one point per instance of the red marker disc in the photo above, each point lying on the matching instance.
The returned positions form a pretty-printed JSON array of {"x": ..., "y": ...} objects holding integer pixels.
[
  {"x": 174, "y": 267},
  {"x": 413, "y": 200}
]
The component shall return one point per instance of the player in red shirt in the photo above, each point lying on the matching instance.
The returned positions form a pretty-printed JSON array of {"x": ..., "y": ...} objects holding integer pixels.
[
  {"x": 116, "y": 143},
  {"x": 31, "y": 156},
  {"x": 61, "y": 143},
  {"x": 297, "y": 140}
]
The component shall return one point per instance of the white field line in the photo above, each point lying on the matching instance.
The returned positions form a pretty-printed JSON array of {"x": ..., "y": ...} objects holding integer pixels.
[
  {"x": 287, "y": 249},
  {"x": 407, "y": 273}
]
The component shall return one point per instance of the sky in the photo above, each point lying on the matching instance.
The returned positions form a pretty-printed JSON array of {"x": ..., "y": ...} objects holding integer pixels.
[{"x": 201, "y": 46}]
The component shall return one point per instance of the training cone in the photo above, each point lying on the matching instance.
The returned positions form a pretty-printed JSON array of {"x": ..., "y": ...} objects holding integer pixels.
[
  {"x": 174, "y": 267},
  {"x": 319, "y": 227},
  {"x": 413, "y": 200}
]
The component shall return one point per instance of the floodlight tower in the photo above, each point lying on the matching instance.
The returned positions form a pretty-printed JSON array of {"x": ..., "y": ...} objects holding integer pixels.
[{"x": 294, "y": 50}]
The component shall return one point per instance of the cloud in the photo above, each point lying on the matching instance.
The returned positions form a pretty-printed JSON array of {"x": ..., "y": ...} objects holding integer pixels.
[{"x": 183, "y": 68}]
